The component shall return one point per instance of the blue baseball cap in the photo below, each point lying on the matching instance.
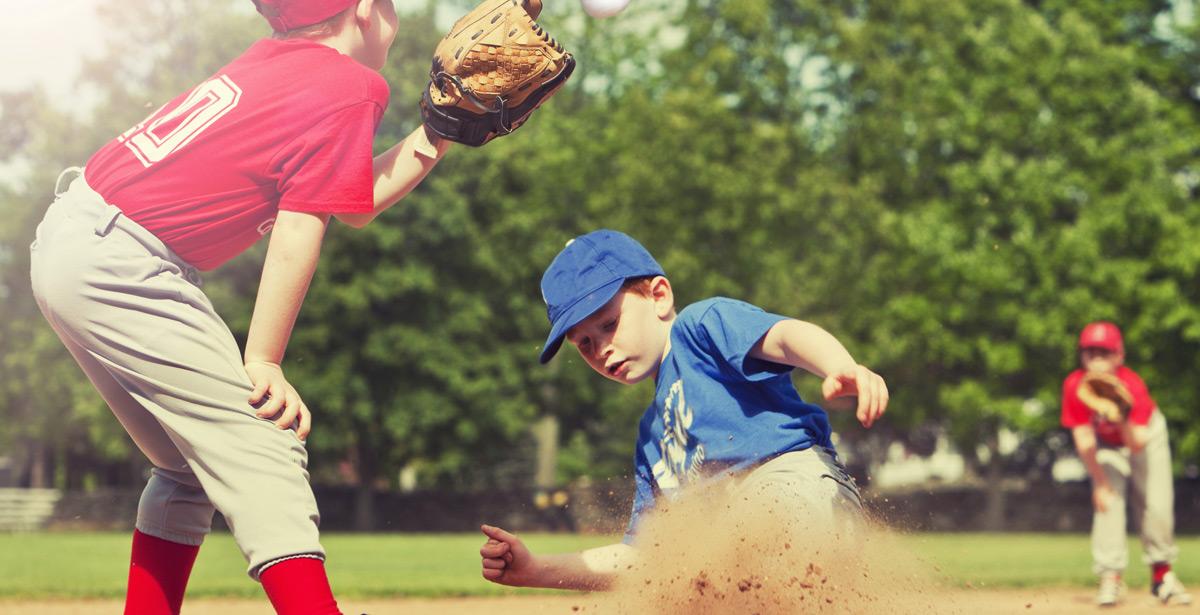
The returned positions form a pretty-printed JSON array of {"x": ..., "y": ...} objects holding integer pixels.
[{"x": 586, "y": 275}]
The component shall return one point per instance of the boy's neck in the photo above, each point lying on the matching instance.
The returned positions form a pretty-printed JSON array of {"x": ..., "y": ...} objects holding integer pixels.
[
  {"x": 347, "y": 38},
  {"x": 342, "y": 44},
  {"x": 666, "y": 350}
]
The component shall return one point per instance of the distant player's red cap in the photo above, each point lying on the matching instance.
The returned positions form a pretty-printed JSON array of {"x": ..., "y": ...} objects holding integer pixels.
[
  {"x": 284, "y": 15},
  {"x": 1102, "y": 335}
]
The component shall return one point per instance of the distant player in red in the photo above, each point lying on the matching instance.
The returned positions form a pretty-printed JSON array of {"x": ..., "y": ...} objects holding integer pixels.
[
  {"x": 1126, "y": 459},
  {"x": 276, "y": 142}
]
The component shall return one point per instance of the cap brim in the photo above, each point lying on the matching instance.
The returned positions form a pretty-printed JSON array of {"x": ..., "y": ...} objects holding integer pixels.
[{"x": 576, "y": 314}]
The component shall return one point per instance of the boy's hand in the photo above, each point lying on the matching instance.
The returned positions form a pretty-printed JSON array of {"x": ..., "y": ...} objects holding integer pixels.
[
  {"x": 505, "y": 559},
  {"x": 859, "y": 381},
  {"x": 275, "y": 398}
]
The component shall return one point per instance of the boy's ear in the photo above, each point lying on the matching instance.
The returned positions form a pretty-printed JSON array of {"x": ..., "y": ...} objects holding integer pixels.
[
  {"x": 362, "y": 12},
  {"x": 663, "y": 295}
]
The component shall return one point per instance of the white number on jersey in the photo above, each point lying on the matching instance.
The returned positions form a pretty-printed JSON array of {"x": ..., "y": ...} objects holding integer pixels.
[{"x": 207, "y": 103}]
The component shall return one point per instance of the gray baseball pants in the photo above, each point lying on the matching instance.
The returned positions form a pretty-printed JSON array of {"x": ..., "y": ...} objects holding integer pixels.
[
  {"x": 133, "y": 316},
  {"x": 1143, "y": 479},
  {"x": 809, "y": 491}
]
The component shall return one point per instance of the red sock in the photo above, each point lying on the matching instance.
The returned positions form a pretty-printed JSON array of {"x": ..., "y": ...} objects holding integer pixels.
[
  {"x": 158, "y": 575},
  {"x": 299, "y": 586},
  {"x": 1158, "y": 570}
]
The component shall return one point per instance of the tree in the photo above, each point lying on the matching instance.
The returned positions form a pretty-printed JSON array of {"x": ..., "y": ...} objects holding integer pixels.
[{"x": 1032, "y": 183}]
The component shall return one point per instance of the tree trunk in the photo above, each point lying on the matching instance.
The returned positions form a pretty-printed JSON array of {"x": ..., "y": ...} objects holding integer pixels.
[
  {"x": 993, "y": 510},
  {"x": 545, "y": 433},
  {"x": 39, "y": 465},
  {"x": 76, "y": 468},
  {"x": 364, "y": 496}
]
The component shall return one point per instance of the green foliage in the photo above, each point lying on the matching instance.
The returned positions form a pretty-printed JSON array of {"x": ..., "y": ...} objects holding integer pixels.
[{"x": 1032, "y": 184}]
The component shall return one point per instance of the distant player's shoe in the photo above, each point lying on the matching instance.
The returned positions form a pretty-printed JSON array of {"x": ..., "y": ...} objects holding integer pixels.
[
  {"x": 1171, "y": 591},
  {"x": 1111, "y": 589}
]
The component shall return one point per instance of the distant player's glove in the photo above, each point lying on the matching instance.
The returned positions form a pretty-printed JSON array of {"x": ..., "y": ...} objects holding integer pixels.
[
  {"x": 1106, "y": 395},
  {"x": 491, "y": 71}
]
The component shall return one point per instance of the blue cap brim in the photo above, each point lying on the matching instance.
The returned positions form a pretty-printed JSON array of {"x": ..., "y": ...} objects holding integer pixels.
[{"x": 586, "y": 306}]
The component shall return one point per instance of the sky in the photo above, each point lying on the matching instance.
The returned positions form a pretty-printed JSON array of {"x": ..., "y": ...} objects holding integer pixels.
[{"x": 43, "y": 41}]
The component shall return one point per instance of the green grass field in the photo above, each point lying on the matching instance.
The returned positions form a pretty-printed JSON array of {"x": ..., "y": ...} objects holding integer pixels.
[{"x": 73, "y": 565}]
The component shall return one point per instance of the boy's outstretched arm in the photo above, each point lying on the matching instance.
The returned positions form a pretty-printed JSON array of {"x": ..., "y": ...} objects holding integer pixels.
[
  {"x": 507, "y": 561},
  {"x": 808, "y": 346},
  {"x": 399, "y": 170}
]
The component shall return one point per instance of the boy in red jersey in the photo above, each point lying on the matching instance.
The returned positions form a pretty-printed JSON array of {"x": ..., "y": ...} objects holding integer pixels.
[
  {"x": 279, "y": 140},
  {"x": 1120, "y": 455}
]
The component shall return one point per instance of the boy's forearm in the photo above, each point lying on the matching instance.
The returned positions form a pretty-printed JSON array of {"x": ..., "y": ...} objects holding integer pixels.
[
  {"x": 1088, "y": 456},
  {"x": 1135, "y": 436},
  {"x": 291, "y": 260},
  {"x": 590, "y": 570},
  {"x": 804, "y": 345},
  {"x": 1085, "y": 446},
  {"x": 399, "y": 170}
]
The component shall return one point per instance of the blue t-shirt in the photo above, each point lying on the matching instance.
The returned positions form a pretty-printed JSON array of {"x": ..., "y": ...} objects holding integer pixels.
[{"x": 716, "y": 408}]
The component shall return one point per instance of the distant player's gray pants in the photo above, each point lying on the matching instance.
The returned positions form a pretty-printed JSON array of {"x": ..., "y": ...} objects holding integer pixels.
[
  {"x": 132, "y": 314},
  {"x": 1143, "y": 479}
]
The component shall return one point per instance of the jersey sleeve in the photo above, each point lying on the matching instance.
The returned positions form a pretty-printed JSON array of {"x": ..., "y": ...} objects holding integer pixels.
[
  {"x": 1143, "y": 404},
  {"x": 643, "y": 499},
  {"x": 329, "y": 168},
  {"x": 1074, "y": 412},
  {"x": 728, "y": 329}
]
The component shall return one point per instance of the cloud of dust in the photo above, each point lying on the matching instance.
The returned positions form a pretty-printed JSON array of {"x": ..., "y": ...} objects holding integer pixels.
[{"x": 710, "y": 551}]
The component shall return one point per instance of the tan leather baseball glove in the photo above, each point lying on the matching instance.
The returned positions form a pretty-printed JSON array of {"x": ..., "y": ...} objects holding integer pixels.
[
  {"x": 1106, "y": 395},
  {"x": 491, "y": 71}
]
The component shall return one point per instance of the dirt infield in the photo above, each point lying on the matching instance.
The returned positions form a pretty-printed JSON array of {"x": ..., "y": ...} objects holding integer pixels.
[{"x": 948, "y": 602}]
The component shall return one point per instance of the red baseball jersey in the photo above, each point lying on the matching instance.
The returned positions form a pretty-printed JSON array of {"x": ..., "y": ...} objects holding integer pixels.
[
  {"x": 289, "y": 125},
  {"x": 1075, "y": 413}
]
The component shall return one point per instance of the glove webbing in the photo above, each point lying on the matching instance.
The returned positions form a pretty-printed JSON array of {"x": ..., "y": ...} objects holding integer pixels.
[{"x": 460, "y": 125}]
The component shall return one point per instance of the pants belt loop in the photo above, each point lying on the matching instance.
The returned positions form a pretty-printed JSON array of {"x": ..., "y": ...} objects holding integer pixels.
[
  {"x": 193, "y": 276},
  {"x": 107, "y": 219},
  {"x": 58, "y": 191}
]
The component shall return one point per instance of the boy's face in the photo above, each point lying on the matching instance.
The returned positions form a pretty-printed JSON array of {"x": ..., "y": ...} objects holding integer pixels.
[
  {"x": 625, "y": 340},
  {"x": 1101, "y": 360}
]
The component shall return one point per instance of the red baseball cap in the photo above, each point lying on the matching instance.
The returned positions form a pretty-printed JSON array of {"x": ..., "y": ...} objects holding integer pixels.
[
  {"x": 284, "y": 15},
  {"x": 1102, "y": 335}
]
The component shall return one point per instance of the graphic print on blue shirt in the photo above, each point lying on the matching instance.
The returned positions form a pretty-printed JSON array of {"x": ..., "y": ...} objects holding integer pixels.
[
  {"x": 679, "y": 457},
  {"x": 717, "y": 408}
]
